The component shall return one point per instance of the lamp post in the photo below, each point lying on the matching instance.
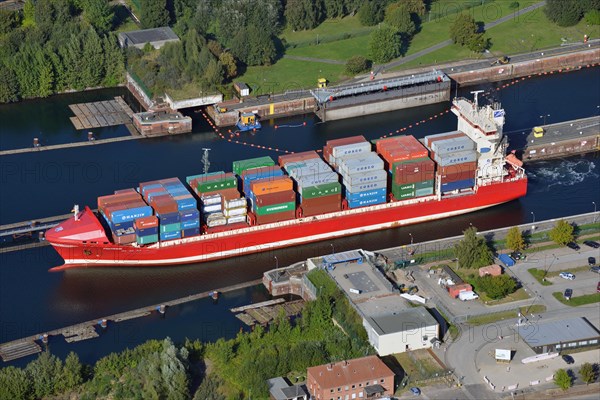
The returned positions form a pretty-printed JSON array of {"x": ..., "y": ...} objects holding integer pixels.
[
  {"x": 276, "y": 262},
  {"x": 411, "y": 238},
  {"x": 594, "y": 203},
  {"x": 544, "y": 117},
  {"x": 533, "y": 222},
  {"x": 332, "y": 248}
]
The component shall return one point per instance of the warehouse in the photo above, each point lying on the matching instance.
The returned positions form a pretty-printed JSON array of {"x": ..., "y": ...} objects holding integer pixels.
[
  {"x": 560, "y": 335},
  {"x": 410, "y": 329}
]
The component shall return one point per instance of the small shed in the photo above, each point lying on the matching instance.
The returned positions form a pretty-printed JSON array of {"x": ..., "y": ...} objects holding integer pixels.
[
  {"x": 242, "y": 88},
  {"x": 493, "y": 270},
  {"x": 454, "y": 290}
]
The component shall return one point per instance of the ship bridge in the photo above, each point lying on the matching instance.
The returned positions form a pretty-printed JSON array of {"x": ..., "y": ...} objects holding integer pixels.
[{"x": 325, "y": 95}]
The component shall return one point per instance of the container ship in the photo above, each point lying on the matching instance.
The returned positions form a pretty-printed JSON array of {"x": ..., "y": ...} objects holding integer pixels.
[{"x": 357, "y": 186}]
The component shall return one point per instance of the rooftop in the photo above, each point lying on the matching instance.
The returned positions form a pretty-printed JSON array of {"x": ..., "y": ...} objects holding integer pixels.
[
  {"x": 281, "y": 389},
  {"x": 566, "y": 330},
  {"x": 408, "y": 319},
  {"x": 150, "y": 35},
  {"x": 347, "y": 372}
]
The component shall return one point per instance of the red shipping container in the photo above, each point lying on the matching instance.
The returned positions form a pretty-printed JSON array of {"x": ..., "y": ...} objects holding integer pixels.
[
  {"x": 269, "y": 199},
  {"x": 454, "y": 290},
  {"x": 414, "y": 147},
  {"x": 459, "y": 176},
  {"x": 319, "y": 210},
  {"x": 169, "y": 180},
  {"x": 125, "y": 239},
  {"x": 276, "y": 217},
  {"x": 163, "y": 198},
  {"x": 466, "y": 168},
  {"x": 386, "y": 143},
  {"x": 162, "y": 209},
  {"x": 117, "y": 198},
  {"x": 345, "y": 141},
  {"x": 126, "y": 191},
  {"x": 122, "y": 206},
  {"x": 334, "y": 199},
  {"x": 414, "y": 172},
  {"x": 144, "y": 184},
  {"x": 305, "y": 155},
  {"x": 146, "y": 222},
  {"x": 395, "y": 154}
]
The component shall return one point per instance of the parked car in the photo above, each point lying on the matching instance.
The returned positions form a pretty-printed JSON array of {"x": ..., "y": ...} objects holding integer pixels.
[
  {"x": 573, "y": 245},
  {"x": 567, "y": 275},
  {"x": 517, "y": 255},
  {"x": 595, "y": 269},
  {"x": 591, "y": 261},
  {"x": 568, "y": 294},
  {"x": 592, "y": 244},
  {"x": 415, "y": 391},
  {"x": 568, "y": 359}
]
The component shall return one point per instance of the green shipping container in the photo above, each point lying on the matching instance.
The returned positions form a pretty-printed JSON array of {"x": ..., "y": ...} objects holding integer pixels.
[
  {"x": 170, "y": 227},
  {"x": 189, "y": 179},
  {"x": 402, "y": 194},
  {"x": 242, "y": 165},
  {"x": 219, "y": 184},
  {"x": 276, "y": 208},
  {"x": 424, "y": 184},
  {"x": 325, "y": 189},
  {"x": 146, "y": 239},
  {"x": 403, "y": 186}
]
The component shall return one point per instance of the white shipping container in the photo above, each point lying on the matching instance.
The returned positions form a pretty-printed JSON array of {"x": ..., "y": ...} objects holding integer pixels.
[
  {"x": 236, "y": 219},
  {"x": 310, "y": 169},
  {"x": 231, "y": 212},
  {"x": 429, "y": 138},
  {"x": 366, "y": 186},
  {"x": 354, "y": 148},
  {"x": 216, "y": 222},
  {"x": 318, "y": 180},
  {"x": 361, "y": 165},
  {"x": 234, "y": 203},
  {"x": 215, "y": 215},
  {"x": 210, "y": 200},
  {"x": 445, "y": 160},
  {"x": 362, "y": 178},
  {"x": 453, "y": 145},
  {"x": 211, "y": 208}
]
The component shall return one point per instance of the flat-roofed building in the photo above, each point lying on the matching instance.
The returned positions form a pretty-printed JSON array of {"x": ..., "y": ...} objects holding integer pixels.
[
  {"x": 157, "y": 37},
  {"x": 560, "y": 335},
  {"x": 361, "y": 378},
  {"x": 410, "y": 329}
]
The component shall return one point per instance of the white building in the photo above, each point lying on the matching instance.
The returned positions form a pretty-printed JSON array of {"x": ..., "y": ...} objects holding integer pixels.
[{"x": 409, "y": 329}]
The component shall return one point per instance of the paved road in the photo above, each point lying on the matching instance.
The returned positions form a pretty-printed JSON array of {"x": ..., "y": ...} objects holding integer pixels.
[{"x": 448, "y": 42}]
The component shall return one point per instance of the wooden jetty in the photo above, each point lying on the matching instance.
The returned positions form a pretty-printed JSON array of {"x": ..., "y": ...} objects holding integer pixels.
[
  {"x": 100, "y": 114},
  {"x": 263, "y": 314},
  {"x": 87, "y": 330},
  {"x": 257, "y": 305},
  {"x": 69, "y": 145}
]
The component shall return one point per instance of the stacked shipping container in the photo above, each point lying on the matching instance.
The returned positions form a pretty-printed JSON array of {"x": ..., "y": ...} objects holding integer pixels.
[
  {"x": 175, "y": 207},
  {"x": 456, "y": 156},
  {"x": 120, "y": 211},
  {"x": 318, "y": 187}
]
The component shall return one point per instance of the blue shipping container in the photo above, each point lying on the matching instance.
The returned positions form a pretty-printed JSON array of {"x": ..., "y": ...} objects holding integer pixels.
[
  {"x": 367, "y": 202},
  {"x": 465, "y": 183},
  {"x": 147, "y": 231},
  {"x": 506, "y": 260},
  {"x": 194, "y": 223},
  {"x": 366, "y": 194},
  {"x": 121, "y": 225},
  {"x": 190, "y": 232},
  {"x": 152, "y": 195},
  {"x": 170, "y": 235},
  {"x": 171, "y": 218},
  {"x": 186, "y": 204},
  {"x": 189, "y": 215},
  {"x": 131, "y": 214},
  {"x": 153, "y": 186}
]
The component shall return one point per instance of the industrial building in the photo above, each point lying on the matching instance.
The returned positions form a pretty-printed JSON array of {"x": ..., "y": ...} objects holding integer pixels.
[
  {"x": 157, "y": 37},
  {"x": 361, "y": 378},
  {"x": 411, "y": 329},
  {"x": 560, "y": 335}
]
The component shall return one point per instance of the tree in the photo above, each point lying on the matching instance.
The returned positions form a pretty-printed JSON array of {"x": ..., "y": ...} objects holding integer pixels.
[
  {"x": 229, "y": 64},
  {"x": 93, "y": 59},
  {"x": 72, "y": 373},
  {"x": 562, "y": 379},
  {"x": 497, "y": 287},
  {"x": 9, "y": 85},
  {"x": 384, "y": 44},
  {"x": 334, "y": 8},
  {"x": 463, "y": 29},
  {"x": 370, "y": 13},
  {"x": 8, "y": 21},
  {"x": 98, "y": 14},
  {"x": 587, "y": 373},
  {"x": 562, "y": 233},
  {"x": 564, "y": 12},
  {"x": 472, "y": 251},
  {"x": 514, "y": 239},
  {"x": 592, "y": 17},
  {"x": 28, "y": 13},
  {"x": 15, "y": 384},
  {"x": 303, "y": 14},
  {"x": 209, "y": 388},
  {"x": 356, "y": 65},
  {"x": 44, "y": 373},
  {"x": 399, "y": 17},
  {"x": 114, "y": 62},
  {"x": 154, "y": 14},
  {"x": 261, "y": 49}
]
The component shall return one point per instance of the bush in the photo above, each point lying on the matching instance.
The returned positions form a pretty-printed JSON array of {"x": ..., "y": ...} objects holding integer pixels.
[
  {"x": 497, "y": 287},
  {"x": 592, "y": 17},
  {"x": 370, "y": 14},
  {"x": 562, "y": 233},
  {"x": 564, "y": 12},
  {"x": 357, "y": 64},
  {"x": 513, "y": 5}
]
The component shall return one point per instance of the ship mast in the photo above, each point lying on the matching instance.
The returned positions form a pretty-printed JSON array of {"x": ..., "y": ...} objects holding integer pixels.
[{"x": 205, "y": 160}]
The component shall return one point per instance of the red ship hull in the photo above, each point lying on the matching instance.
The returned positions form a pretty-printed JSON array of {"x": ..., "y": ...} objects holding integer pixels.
[{"x": 80, "y": 248}]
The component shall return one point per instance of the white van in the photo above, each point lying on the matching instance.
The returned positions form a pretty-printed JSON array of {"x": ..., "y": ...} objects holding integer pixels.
[{"x": 467, "y": 295}]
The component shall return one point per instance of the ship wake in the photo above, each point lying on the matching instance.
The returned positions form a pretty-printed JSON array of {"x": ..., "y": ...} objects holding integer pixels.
[{"x": 562, "y": 173}]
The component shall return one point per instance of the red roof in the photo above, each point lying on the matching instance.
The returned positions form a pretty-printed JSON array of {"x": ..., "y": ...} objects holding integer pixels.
[{"x": 347, "y": 372}]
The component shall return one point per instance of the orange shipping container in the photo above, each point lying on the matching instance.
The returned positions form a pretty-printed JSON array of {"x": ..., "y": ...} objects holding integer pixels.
[
  {"x": 279, "y": 184},
  {"x": 414, "y": 147},
  {"x": 387, "y": 143}
]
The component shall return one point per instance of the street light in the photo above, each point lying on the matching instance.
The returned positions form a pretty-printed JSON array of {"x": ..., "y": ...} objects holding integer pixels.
[
  {"x": 594, "y": 203},
  {"x": 332, "y": 248},
  {"x": 411, "y": 238},
  {"x": 533, "y": 215},
  {"x": 544, "y": 116},
  {"x": 276, "y": 262}
]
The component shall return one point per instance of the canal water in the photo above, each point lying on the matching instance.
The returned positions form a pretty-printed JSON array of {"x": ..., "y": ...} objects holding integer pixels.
[{"x": 36, "y": 185}]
